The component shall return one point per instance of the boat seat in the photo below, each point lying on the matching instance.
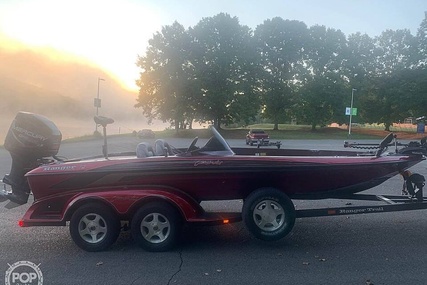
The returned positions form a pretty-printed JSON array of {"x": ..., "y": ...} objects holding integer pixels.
[
  {"x": 162, "y": 148},
  {"x": 144, "y": 150}
]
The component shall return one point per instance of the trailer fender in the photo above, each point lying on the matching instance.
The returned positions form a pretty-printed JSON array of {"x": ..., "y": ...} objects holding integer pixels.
[{"x": 126, "y": 202}]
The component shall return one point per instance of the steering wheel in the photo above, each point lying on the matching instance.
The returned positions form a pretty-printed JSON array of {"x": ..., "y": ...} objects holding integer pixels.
[{"x": 192, "y": 145}]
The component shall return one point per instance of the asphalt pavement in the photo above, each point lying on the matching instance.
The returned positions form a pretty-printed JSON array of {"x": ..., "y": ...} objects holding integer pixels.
[{"x": 386, "y": 248}]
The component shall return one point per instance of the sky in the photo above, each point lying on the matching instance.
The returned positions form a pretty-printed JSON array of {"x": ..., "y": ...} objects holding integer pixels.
[{"x": 112, "y": 33}]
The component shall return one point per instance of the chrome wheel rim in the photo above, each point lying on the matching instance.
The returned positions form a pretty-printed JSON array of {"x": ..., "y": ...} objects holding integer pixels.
[
  {"x": 155, "y": 228},
  {"x": 92, "y": 228},
  {"x": 268, "y": 215}
]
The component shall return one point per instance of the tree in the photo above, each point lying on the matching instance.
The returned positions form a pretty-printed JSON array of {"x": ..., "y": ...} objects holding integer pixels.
[
  {"x": 325, "y": 86},
  {"x": 326, "y": 51},
  {"x": 321, "y": 100},
  {"x": 394, "y": 97},
  {"x": 167, "y": 81},
  {"x": 395, "y": 50},
  {"x": 222, "y": 72},
  {"x": 281, "y": 45},
  {"x": 385, "y": 100},
  {"x": 413, "y": 85},
  {"x": 422, "y": 42},
  {"x": 223, "y": 58},
  {"x": 359, "y": 62}
]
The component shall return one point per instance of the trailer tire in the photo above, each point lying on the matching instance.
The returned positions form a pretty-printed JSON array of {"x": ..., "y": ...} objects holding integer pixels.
[
  {"x": 268, "y": 214},
  {"x": 94, "y": 227},
  {"x": 156, "y": 226}
]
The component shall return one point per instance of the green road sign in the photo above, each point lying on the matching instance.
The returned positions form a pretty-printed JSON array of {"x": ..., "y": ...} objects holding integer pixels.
[{"x": 353, "y": 111}]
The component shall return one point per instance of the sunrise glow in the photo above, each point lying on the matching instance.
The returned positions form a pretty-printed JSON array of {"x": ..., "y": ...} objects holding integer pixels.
[{"x": 109, "y": 34}]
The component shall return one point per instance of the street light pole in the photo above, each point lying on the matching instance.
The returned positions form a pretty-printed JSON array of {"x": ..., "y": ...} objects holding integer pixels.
[
  {"x": 97, "y": 103},
  {"x": 351, "y": 110}
]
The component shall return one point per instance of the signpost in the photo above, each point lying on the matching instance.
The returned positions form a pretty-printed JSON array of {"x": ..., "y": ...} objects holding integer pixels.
[
  {"x": 97, "y": 103},
  {"x": 351, "y": 111}
]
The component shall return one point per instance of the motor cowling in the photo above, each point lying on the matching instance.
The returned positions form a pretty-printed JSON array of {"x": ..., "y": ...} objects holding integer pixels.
[{"x": 30, "y": 138}]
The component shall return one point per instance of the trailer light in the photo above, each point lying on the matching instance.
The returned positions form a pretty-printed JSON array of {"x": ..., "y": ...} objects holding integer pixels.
[
  {"x": 21, "y": 223},
  {"x": 226, "y": 221}
]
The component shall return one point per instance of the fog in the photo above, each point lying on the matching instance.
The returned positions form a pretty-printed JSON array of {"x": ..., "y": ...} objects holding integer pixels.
[{"x": 64, "y": 91}]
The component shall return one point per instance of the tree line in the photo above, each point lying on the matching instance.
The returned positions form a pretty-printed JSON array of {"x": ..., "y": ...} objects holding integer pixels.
[{"x": 223, "y": 72}]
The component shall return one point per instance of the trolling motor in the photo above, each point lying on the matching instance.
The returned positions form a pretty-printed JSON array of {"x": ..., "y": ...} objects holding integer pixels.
[
  {"x": 104, "y": 121},
  {"x": 411, "y": 148},
  {"x": 31, "y": 140}
]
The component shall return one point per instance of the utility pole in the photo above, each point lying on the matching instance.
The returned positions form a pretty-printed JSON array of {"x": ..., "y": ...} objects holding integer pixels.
[
  {"x": 351, "y": 110},
  {"x": 97, "y": 103}
]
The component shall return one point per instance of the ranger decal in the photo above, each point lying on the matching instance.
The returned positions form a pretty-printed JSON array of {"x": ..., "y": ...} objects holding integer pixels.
[
  {"x": 208, "y": 162},
  {"x": 59, "y": 168}
]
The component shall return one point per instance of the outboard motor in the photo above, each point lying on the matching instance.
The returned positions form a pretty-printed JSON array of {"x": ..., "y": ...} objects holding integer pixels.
[{"x": 30, "y": 138}]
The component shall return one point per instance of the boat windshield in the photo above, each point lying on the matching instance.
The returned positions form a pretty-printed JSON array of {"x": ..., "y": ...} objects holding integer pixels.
[{"x": 216, "y": 145}]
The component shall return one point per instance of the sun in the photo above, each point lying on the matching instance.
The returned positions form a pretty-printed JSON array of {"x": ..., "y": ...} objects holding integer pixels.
[{"x": 109, "y": 33}]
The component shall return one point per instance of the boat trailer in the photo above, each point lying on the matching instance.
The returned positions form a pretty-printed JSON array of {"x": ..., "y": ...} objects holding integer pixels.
[
  {"x": 262, "y": 142},
  {"x": 393, "y": 204},
  {"x": 411, "y": 199}
]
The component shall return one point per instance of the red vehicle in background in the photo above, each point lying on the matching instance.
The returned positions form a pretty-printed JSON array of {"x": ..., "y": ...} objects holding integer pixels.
[
  {"x": 255, "y": 136},
  {"x": 259, "y": 138}
]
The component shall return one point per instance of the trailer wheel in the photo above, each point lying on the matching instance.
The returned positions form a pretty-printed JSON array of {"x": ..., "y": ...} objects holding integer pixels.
[
  {"x": 155, "y": 227},
  {"x": 268, "y": 214},
  {"x": 94, "y": 227}
]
